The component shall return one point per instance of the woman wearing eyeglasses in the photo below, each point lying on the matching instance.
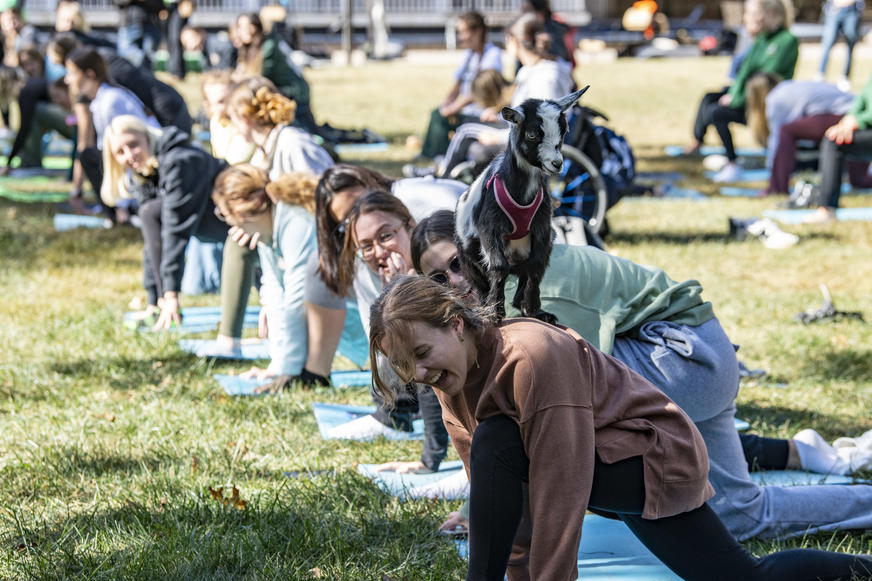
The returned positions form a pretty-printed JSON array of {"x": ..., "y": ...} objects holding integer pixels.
[
  {"x": 174, "y": 180},
  {"x": 664, "y": 331},
  {"x": 277, "y": 217}
]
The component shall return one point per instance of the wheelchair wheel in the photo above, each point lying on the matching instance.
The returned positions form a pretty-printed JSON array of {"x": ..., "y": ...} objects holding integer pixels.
[{"x": 579, "y": 189}]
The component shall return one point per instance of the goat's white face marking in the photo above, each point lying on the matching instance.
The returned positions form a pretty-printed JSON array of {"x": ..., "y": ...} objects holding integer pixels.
[{"x": 550, "y": 157}]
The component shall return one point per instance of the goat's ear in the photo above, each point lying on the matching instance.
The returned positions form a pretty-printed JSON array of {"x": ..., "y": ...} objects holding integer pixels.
[
  {"x": 512, "y": 115},
  {"x": 570, "y": 100}
]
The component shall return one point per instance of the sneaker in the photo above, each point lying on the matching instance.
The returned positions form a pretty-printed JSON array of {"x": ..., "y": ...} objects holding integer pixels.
[
  {"x": 730, "y": 173},
  {"x": 802, "y": 195},
  {"x": 364, "y": 428},
  {"x": 715, "y": 162},
  {"x": 771, "y": 235},
  {"x": 844, "y": 84},
  {"x": 821, "y": 216}
]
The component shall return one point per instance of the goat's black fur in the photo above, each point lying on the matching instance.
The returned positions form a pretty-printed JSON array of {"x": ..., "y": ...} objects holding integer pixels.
[{"x": 481, "y": 228}]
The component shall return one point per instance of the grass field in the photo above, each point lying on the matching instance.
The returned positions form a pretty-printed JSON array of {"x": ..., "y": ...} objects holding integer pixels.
[{"x": 112, "y": 439}]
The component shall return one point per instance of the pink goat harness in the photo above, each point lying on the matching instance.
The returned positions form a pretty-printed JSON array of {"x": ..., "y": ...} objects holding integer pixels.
[{"x": 519, "y": 216}]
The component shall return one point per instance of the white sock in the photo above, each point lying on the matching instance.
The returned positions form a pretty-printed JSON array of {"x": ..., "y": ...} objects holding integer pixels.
[{"x": 816, "y": 454}]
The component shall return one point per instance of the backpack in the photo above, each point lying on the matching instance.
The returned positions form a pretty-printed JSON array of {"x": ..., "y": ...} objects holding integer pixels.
[{"x": 617, "y": 165}]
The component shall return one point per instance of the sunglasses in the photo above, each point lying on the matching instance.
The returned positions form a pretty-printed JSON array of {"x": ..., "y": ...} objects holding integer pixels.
[{"x": 441, "y": 277}]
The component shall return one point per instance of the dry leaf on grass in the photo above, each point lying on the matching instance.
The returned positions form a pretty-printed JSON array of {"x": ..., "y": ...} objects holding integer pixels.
[{"x": 233, "y": 500}]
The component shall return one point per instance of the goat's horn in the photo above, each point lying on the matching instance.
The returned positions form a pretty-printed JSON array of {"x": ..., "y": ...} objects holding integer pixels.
[{"x": 570, "y": 100}]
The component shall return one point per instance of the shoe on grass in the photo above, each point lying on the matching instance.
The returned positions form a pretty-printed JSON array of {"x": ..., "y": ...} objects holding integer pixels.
[{"x": 730, "y": 173}]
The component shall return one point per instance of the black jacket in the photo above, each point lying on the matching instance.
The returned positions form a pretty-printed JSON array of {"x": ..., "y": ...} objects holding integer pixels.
[{"x": 185, "y": 175}]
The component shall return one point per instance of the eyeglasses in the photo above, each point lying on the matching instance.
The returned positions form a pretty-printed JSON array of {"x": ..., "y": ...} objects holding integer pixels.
[
  {"x": 219, "y": 215},
  {"x": 383, "y": 240},
  {"x": 441, "y": 277}
]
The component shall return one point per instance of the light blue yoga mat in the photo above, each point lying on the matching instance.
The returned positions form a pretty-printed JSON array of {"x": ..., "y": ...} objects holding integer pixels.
[
  {"x": 741, "y": 425},
  {"x": 659, "y": 176},
  {"x": 398, "y": 484},
  {"x": 198, "y": 320},
  {"x": 248, "y": 352},
  {"x": 354, "y": 344},
  {"x": 64, "y": 222},
  {"x": 746, "y": 175},
  {"x": 735, "y": 192},
  {"x": 352, "y": 147},
  {"x": 678, "y": 150},
  {"x": 330, "y": 416},
  {"x": 797, "y": 216},
  {"x": 609, "y": 551},
  {"x": 797, "y": 478},
  {"x": 235, "y": 385}
]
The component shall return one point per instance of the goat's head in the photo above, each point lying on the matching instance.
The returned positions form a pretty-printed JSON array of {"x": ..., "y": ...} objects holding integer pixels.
[{"x": 538, "y": 128}]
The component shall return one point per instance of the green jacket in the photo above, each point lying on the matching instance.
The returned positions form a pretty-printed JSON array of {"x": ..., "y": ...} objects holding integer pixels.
[
  {"x": 772, "y": 52},
  {"x": 600, "y": 296},
  {"x": 861, "y": 108},
  {"x": 277, "y": 69}
]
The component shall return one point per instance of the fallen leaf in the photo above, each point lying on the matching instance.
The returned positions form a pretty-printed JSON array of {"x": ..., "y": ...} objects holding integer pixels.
[
  {"x": 315, "y": 572},
  {"x": 195, "y": 463},
  {"x": 233, "y": 500},
  {"x": 104, "y": 416},
  {"x": 157, "y": 365}
]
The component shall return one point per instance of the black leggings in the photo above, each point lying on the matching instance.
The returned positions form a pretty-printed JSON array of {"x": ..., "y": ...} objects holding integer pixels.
[
  {"x": 764, "y": 453},
  {"x": 712, "y": 113},
  {"x": 695, "y": 545}
]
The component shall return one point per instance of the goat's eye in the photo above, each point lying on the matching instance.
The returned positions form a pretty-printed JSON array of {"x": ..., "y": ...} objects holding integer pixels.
[{"x": 531, "y": 136}]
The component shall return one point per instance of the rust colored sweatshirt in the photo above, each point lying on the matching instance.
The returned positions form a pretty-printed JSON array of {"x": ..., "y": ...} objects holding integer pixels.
[{"x": 572, "y": 401}]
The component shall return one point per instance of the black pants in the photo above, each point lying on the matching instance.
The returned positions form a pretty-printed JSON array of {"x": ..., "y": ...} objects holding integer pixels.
[
  {"x": 710, "y": 112},
  {"x": 764, "y": 453},
  {"x": 695, "y": 545},
  {"x": 832, "y": 164}
]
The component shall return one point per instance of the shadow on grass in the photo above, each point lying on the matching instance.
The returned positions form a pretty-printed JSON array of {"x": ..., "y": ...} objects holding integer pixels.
[
  {"x": 126, "y": 373},
  {"x": 843, "y": 365},
  {"x": 340, "y": 524},
  {"x": 662, "y": 237}
]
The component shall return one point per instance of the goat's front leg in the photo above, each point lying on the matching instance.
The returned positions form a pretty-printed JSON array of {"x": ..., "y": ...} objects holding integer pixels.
[
  {"x": 497, "y": 265},
  {"x": 535, "y": 268}
]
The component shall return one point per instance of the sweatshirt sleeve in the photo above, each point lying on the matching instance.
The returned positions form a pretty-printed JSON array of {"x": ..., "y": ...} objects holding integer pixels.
[
  {"x": 860, "y": 108},
  {"x": 180, "y": 214},
  {"x": 283, "y": 291}
]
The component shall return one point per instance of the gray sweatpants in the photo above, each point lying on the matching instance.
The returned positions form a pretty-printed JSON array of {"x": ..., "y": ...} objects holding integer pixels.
[{"x": 697, "y": 368}]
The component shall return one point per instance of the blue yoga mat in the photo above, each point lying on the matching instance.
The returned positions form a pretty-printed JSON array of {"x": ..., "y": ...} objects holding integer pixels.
[
  {"x": 741, "y": 425},
  {"x": 609, "y": 551},
  {"x": 354, "y": 343},
  {"x": 678, "y": 150},
  {"x": 797, "y": 216},
  {"x": 64, "y": 222},
  {"x": 735, "y": 192},
  {"x": 352, "y": 147},
  {"x": 797, "y": 478},
  {"x": 198, "y": 320},
  {"x": 398, "y": 484},
  {"x": 746, "y": 175},
  {"x": 235, "y": 385},
  {"x": 330, "y": 416},
  {"x": 250, "y": 350},
  {"x": 659, "y": 176}
]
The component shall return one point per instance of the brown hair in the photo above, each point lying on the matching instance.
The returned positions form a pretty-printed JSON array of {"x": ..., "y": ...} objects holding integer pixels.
[
  {"x": 61, "y": 46},
  {"x": 88, "y": 59},
  {"x": 437, "y": 227},
  {"x": 530, "y": 33},
  {"x": 32, "y": 53},
  {"x": 258, "y": 100},
  {"x": 489, "y": 89},
  {"x": 244, "y": 190},
  {"x": 373, "y": 201},
  {"x": 474, "y": 21},
  {"x": 331, "y": 233},
  {"x": 411, "y": 299},
  {"x": 250, "y": 58},
  {"x": 757, "y": 89}
]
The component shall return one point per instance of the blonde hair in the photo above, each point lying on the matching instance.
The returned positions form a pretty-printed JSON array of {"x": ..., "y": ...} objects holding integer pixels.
[
  {"x": 258, "y": 100},
  {"x": 757, "y": 89},
  {"x": 77, "y": 22},
  {"x": 489, "y": 89},
  {"x": 244, "y": 190},
  {"x": 215, "y": 77},
  {"x": 412, "y": 299},
  {"x": 114, "y": 187}
]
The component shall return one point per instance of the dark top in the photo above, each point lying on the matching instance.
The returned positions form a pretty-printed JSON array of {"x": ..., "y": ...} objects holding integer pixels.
[
  {"x": 185, "y": 177},
  {"x": 33, "y": 92}
]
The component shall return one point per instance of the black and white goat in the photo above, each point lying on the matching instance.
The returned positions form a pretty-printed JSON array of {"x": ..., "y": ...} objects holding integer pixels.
[{"x": 503, "y": 221}]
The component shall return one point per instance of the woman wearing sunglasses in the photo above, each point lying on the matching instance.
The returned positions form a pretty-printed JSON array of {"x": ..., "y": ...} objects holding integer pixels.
[
  {"x": 664, "y": 331},
  {"x": 547, "y": 426}
]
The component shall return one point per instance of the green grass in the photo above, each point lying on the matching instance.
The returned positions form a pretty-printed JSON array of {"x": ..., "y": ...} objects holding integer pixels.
[{"x": 112, "y": 439}]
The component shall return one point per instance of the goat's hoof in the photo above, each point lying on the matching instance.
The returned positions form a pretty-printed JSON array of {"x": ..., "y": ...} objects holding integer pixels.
[{"x": 546, "y": 317}]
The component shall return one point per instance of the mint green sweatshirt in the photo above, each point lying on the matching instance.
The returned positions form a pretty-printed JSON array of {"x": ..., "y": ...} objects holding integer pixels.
[{"x": 600, "y": 296}]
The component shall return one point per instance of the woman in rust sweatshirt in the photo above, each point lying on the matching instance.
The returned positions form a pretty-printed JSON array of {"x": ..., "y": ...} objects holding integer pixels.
[{"x": 525, "y": 402}]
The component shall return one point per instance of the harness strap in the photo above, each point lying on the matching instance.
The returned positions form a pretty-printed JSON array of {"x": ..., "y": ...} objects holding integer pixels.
[{"x": 520, "y": 216}]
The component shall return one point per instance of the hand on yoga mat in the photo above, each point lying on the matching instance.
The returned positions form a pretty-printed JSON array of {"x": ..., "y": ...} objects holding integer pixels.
[
  {"x": 256, "y": 373},
  {"x": 403, "y": 468},
  {"x": 280, "y": 383},
  {"x": 456, "y": 523},
  {"x": 170, "y": 311}
]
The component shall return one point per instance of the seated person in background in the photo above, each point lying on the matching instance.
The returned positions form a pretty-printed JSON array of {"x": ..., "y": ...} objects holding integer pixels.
[
  {"x": 547, "y": 426},
  {"x": 561, "y": 34},
  {"x": 459, "y": 106},
  {"x": 781, "y": 114},
  {"x": 276, "y": 217},
  {"x": 850, "y": 137},
  {"x": 775, "y": 50}
]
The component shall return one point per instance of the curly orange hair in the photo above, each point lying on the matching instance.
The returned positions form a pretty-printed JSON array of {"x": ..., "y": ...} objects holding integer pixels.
[{"x": 258, "y": 100}]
